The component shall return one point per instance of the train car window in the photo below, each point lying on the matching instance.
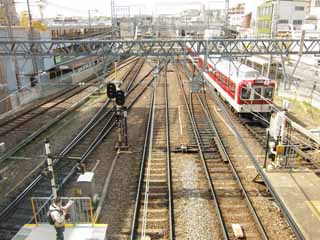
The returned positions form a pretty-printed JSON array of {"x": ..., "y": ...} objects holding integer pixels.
[
  {"x": 245, "y": 93},
  {"x": 268, "y": 93},
  {"x": 257, "y": 93},
  {"x": 232, "y": 87},
  {"x": 220, "y": 76},
  {"x": 252, "y": 74},
  {"x": 227, "y": 82}
]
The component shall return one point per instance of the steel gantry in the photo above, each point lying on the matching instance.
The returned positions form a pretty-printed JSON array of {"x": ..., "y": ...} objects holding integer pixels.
[{"x": 222, "y": 47}]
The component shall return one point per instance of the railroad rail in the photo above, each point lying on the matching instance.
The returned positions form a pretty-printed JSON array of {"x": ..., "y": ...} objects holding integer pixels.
[
  {"x": 257, "y": 128},
  {"x": 18, "y": 211},
  {"x": 16, "y": 120},
  {"x": 24, "y": 127},
  {"x": 153, "y": 212},
  {"x": 296, "y": 230},
  {"x": 231, "y": 200}
]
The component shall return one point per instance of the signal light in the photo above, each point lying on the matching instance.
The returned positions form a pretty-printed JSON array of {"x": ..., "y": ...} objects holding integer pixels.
[
  {"x": 120, "y": 98},
  {"x": 111, "y": 90}
]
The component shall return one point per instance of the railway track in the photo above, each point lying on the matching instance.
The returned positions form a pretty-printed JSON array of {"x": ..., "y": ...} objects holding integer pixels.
[
  {"x": 257, "y": 130},
  {"x": 18, "y": 211},
  {"x": 16, "y": 120},
  {"x": 153, "y": 214},
  {"x": 231, "y": 200},
  {"x": 23, "y": 125}
]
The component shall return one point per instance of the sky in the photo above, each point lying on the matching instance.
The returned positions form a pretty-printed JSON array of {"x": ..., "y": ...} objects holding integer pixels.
[{"x": 81, "y": 7}]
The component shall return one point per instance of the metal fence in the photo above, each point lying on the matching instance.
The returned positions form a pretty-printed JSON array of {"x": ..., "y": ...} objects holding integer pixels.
[{"x": 81, "y": 211}]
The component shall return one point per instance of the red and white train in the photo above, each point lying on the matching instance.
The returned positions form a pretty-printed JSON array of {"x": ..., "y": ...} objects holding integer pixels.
[{"x": 239, "y": 85}]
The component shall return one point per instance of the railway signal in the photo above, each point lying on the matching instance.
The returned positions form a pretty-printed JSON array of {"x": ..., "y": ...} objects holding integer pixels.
[
  {"x": 120, "y": 98},
  {"x": 111, "y": 90}
]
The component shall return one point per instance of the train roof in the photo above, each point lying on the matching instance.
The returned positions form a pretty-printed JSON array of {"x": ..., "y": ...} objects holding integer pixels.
[{"x": 235, "y": 70}]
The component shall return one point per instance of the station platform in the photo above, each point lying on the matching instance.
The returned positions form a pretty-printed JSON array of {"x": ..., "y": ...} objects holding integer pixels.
[
  {"x": 47, "y": 232},
  {"x": 299, "y": 191}
]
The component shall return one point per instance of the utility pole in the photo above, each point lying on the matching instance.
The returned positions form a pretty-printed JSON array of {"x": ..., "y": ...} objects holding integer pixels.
[
  {"x": 226, "y": 17},
  {"x": 33, "y": 59},
  {"x": 113, "y": 18},
  {"x": 89, "y": 17},
  {"x": 274, "y": 28}
]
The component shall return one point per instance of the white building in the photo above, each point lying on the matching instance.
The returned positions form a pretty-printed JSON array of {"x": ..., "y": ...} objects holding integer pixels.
[
  {"x": 236, "y": 14},
  {"x": 291, "y": 14},
  {"x": 315, "y": 13}
]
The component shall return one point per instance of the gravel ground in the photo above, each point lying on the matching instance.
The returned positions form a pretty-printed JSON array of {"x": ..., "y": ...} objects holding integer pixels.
[
  {"x": 194, "y": 210},
  {"x": 118, "y": 207},
  {"x": 14, "y": 171},
  {"x": 275, "y": 224}
]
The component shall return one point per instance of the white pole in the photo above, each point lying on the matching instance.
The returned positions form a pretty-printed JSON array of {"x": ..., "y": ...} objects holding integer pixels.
[
  {"x": 50, "y": 168},
  {"x": 283, "y": 127}
]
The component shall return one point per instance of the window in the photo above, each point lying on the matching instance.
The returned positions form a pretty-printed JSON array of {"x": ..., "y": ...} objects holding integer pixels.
[
  {"x": 297, "y": 22},
  {"x": 257, "y": 93},
  {"x": 299, "y": 8},
  {"x": 245, "y": 93},
  {"x": 267, "y": 93},
  {"x": 252, "y": 74},
  {"x": 232, "y": 87},
  {"x": 283, "y": 21},
  {"x": 221, "y": 78}
]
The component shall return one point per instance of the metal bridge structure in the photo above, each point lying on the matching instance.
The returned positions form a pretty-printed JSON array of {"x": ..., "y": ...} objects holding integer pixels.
[{"x": 164, "y": 48}]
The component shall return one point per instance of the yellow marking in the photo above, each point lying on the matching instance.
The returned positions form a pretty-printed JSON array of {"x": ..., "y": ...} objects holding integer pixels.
[
  {"x": 315, "y": 207},
  {"x": 30, "y": 225},
  {"x": 100, "y": 225},
  {"x": 280, "y": 150},
  {"x": 34, "y": 211},
  {"x": 69, "y": 225},
  {"x": 91, "y": 212}
]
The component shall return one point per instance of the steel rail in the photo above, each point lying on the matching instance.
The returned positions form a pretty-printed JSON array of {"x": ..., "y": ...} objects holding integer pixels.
[
  {"x": 27, "y": 140},
  {"x": 102, "y": 134},
  {"x": 169, "y": 165},
  {"x": 142, "y": 165},
  {"x": 204, "y": 163},
  {"x": 64, "y": 92},
  {"x": 207, "y": 172},
  {"x": 295, "y": 228},
  {"x": 234, "y": 171},
  {"x": 88, "y": 128},
  {"x": 145, "y": 153}
]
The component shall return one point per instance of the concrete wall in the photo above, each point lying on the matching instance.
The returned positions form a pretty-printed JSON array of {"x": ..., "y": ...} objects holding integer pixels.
[
  {"x": 21, "y": 65},
  {"x": 302, "y": 93},
  {"x": 49, "y": 87},
  {"x": 304, "y": 85}
]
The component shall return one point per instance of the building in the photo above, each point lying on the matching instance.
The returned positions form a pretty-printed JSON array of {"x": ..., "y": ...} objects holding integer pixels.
[
  {"x": 290, "y": 15},
  {"x": 236, "y": 14},
  {"x": 312, "y": 21},
  {"x": 315, "y": 8},
  {"x": 308, "y": 6},
  {"x": 8, "y": 14}
]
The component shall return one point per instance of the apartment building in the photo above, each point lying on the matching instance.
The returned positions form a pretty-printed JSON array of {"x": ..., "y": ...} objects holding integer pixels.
[{"x": 288, "y": 14}]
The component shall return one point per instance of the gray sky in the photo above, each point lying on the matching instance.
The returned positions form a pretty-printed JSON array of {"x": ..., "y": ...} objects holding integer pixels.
[{"x": 80, "y": 7}]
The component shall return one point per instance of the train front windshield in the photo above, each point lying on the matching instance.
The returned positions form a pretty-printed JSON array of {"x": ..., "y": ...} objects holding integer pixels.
[
  {"x": 268, "y": 93},
  {"x": 256, "y": 93}
]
